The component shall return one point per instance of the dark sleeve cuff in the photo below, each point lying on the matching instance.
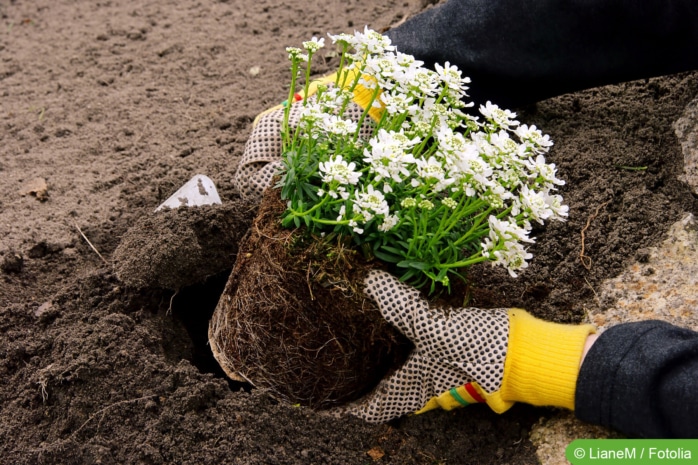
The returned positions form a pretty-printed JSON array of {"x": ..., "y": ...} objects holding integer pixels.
[{"x": 641, "y": 379}]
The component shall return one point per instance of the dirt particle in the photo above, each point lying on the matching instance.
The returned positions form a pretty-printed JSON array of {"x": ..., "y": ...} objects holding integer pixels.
[{"x": 12, "y": 262}]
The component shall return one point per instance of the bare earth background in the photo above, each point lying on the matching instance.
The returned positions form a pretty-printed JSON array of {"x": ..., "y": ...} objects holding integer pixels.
[{"x": 106, "y": 108}]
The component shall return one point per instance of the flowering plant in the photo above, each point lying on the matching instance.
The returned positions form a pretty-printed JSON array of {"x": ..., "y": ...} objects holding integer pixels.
[{"x": 412, "y": 178}]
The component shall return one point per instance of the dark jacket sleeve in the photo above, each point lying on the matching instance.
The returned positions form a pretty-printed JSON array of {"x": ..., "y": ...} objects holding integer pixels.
[
  {"x": 641, "y": 379},
  {"x": 521, "y": 51}
]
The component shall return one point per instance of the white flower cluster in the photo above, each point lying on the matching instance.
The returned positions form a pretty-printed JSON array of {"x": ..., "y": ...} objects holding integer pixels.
[{"x": 429, "y": 168}]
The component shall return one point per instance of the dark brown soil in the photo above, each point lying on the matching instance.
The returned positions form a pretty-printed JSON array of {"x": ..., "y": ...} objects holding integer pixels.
[
  {"x": 174, "y": 249},
  {"x": 114, "y": 105}
]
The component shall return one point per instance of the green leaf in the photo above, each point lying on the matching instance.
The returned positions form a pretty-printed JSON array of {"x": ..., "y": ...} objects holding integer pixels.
[
  {"x": 413, "y": 264},
  {"x": 286, "y": 221},
  {"x": 442, "y": 274},
  {"x": 387, "y": 257},
  {"x": 431, "y": 275},
  {"x": 409, "y": 274},
  {"x": 393, "y": 250},
  {"x": 309, "y": 191}
]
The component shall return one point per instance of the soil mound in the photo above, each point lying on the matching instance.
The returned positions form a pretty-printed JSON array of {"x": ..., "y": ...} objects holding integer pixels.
[{"x": 172, "y": 249}]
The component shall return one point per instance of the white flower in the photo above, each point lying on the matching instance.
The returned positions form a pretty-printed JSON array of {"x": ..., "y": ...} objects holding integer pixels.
[
  {"x": 539, "y": 143},
  {"x": 341, "y": 38},
  {"x": 295, "y": 53},
  {"x": 406, "y": 69},
  {"x": 371, "y": 42},
  {"x": 311, "y": 113},
  {"x": 474, "y": 169},
  {"x": 334, "y": 193},
  {"x": 314, "y": 44},
  {"x": 484, "y": 147},
  {"x": 383, "y": 68},
  {"x": 339, "y": 126},
  {"x": 355, "y": 227},
  {"x": 507, "y": 230},
  {"x": 451, "y": 77},
  {"x": 450, "y": 141},
  {"x": 506, "y": 145},
  {"x": 332, "y": 99},
  {"x": 547, "y": 172},
  {"x": 423, "y": 157},
  {"x": 513, "y": 257},
  {"x": 499, "y": 117},
  {"x": 425, "y": 81},
  {"x": 430, "y": 168},
  {"x": 388, "y": 155},
  {"x": 510, "y": 178},
  {"x": 535, "y": 204},
  {"x": 407, "y": 61},
  {"x": 389, "y": 223},
  {"x": 371, "y": 200},
  {"x": 433, "y": 114},
  {"x": 336, "y": 169},
  {"x": 559, "y": 210},
  {"x": 399, "y": 102}
]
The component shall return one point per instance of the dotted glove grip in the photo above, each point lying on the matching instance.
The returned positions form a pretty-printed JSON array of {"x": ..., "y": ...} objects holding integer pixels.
[{"x": 453, "y": 347}]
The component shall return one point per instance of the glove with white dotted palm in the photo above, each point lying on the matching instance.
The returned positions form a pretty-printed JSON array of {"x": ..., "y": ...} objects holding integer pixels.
[
  {"x": 468, "y": 355},
  {"x": 261, "y": 159}
]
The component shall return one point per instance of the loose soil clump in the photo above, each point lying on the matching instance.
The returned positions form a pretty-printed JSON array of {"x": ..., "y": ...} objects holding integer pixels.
[{"x": 173, "y": 249}]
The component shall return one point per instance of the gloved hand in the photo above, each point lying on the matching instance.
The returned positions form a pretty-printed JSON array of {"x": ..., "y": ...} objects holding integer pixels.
[
  {"x": 468, "y": 355},
  {"x": 261, "y": 159}
]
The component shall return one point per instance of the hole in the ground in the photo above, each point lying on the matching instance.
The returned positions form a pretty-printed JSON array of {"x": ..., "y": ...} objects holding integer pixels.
[{"x": 193, "y": 306}]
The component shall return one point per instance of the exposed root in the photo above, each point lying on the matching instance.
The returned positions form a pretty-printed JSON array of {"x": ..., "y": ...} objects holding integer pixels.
[
  {"x": 103, "y": 411},
  {"x": 586, "y": 260}
]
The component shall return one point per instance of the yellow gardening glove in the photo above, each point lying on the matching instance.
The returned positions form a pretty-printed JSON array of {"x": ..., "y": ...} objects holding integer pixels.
[
  {"x": 468, "y": 355},
  {"x": 261, "y": 159}
]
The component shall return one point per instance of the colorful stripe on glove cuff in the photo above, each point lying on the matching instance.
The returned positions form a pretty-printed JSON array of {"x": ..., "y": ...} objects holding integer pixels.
[{"x": 460, "y": 396}]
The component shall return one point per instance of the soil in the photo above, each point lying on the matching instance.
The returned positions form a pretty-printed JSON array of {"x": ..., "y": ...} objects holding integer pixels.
[{"x": 108, "y": 107}]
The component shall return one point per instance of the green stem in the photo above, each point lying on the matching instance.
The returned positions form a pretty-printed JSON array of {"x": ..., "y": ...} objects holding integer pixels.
[
  {"x": 469, "y": 262},
  {"x": 476, "y": 224},
  {"x": 307, "y": 79},
  {"x": 286, "y": 139},
  {"x": 308, "y": 212},
  {"x": 342, "y": 58}
]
